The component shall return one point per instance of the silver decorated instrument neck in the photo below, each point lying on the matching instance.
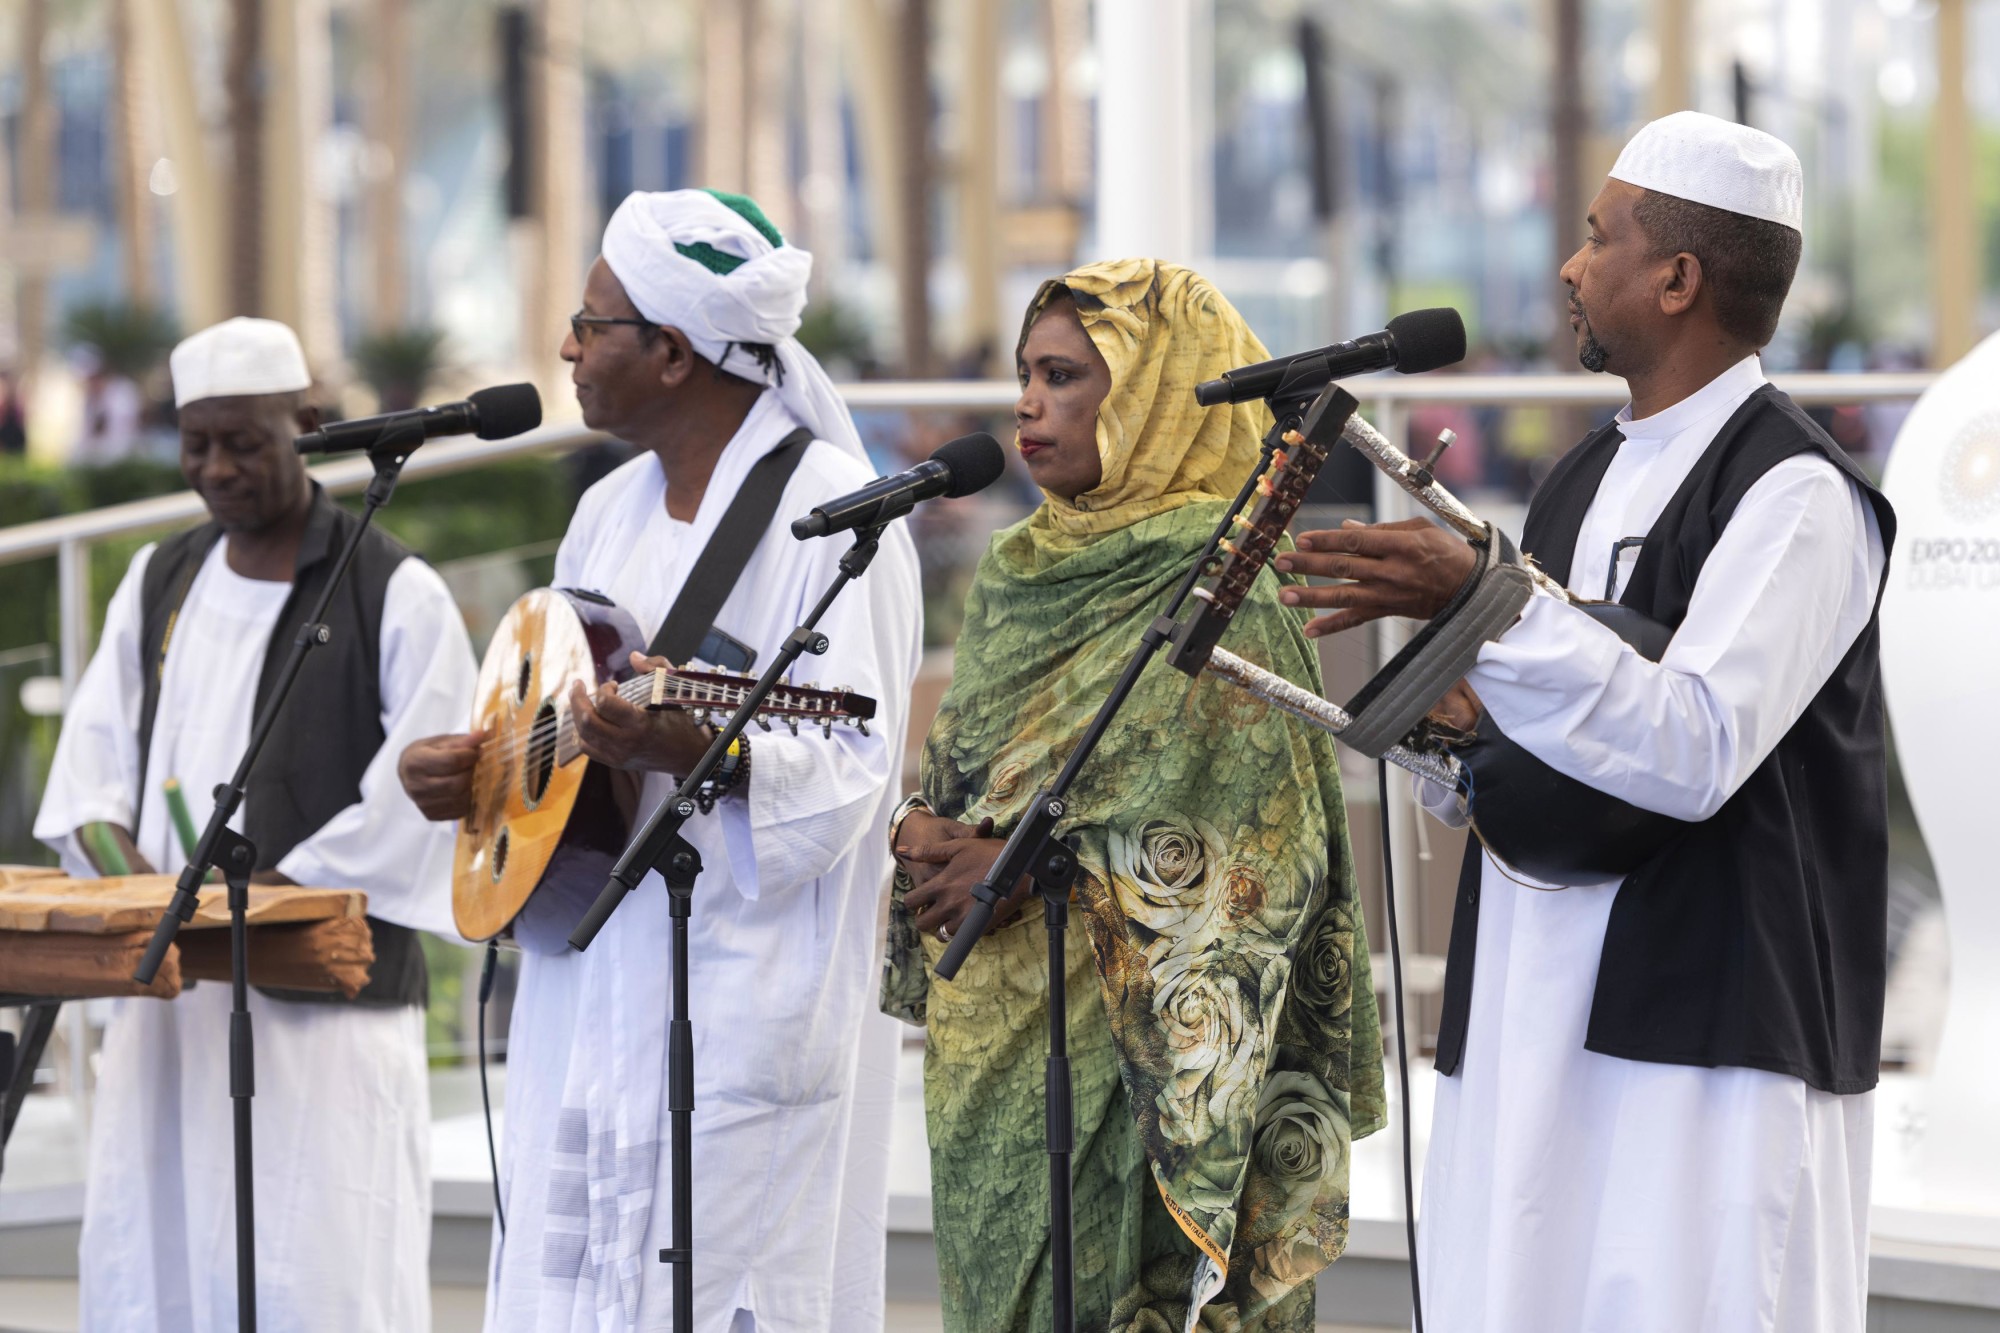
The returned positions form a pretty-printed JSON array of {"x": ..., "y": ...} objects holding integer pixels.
[
  {"x": 1329, "y": 717},
  {"x": 1428, "y": 492}
]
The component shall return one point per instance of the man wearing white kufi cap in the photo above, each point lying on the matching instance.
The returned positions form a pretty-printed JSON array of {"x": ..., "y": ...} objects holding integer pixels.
[
  {"x": 685, "y": 347},
  {"x": 1655, "y": 1104},
  {"x": 190, "y": 649}
]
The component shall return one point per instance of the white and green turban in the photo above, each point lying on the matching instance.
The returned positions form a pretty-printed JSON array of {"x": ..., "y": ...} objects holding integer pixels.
[{"x": 713, "y": 266}]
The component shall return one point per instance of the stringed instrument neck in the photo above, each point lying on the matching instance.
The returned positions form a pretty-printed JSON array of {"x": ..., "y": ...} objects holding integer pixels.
[{"x": 709, "y": 695}]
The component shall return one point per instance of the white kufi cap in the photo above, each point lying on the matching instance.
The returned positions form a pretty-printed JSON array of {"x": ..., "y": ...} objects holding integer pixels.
[
  {"x": 1716, "y": 162},
  {"x": 239, "y": 357}
]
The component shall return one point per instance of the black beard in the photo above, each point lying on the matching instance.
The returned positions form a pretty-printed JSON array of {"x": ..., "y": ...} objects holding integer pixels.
[{"x": 1593, "y": 354}]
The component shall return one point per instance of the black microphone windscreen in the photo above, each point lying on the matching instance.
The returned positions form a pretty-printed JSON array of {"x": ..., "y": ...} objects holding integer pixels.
[
  {"x": 1428, "y": 339},
  {"x": 976, "y": 462},
  {"x": 507, "y": 409}
]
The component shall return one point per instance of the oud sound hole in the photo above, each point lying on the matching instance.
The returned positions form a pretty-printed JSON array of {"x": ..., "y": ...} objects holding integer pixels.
[
  {"x": 539, "y": 763},
  {"x": 500, "y": 856}
]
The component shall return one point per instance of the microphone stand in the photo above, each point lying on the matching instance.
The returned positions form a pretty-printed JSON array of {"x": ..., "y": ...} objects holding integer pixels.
[
  {"x": 1033, "y": 848},
  {"x": 222, "y": 847},
  {"x": 659, "y": 846}
]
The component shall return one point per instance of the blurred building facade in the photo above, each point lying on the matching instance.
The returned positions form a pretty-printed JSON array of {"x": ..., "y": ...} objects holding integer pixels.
[{"x": 363, "y": 166}]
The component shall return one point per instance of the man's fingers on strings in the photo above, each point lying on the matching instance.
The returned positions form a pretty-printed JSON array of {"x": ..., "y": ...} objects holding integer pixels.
[
  {"x": 1326, "y": 566},
  {"x": 1338, "y": 622},
  {"x": 428, "y": 759},
  {"x": 614, "y": 709},
  {"x": 1332, "y": 595},
  {"x": 591, "y": 731},
  {"x": 1368, "y": 540}
]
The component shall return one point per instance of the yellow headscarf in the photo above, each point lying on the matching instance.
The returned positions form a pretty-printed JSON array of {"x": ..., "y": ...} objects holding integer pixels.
[{"x": 1162, "y": 329}]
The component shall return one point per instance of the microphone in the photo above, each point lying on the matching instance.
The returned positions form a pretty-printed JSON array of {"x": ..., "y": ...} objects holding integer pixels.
[
  {"x": 1418, "y": 341},
  {"x": 491, "y": 414},
  {"x": 969, "y": 463}
]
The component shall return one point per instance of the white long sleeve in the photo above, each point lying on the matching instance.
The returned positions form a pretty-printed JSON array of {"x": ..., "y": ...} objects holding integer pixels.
[
  {"x": 813, "y": 797},
  {"x": 1788, "y": 588},
  {"x": 96, "y": 769},
  {"x": 382, "y": 843}
]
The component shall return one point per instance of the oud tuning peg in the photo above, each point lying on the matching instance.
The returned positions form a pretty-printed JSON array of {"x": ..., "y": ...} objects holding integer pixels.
[
  {"x": 826, "y": 727},
  {"x": 1240, "y": 521},
  {"x": 861, "y": 725},
  {"x": 1293, "y": 437},
  {"x": 1204, "y": 594},
  {"x": 763, "y": 722},
  {"x": 793, "y": 723}
]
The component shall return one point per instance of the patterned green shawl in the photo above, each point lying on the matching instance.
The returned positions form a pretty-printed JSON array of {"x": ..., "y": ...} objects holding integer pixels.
[{"x": 1218, "y": 892}]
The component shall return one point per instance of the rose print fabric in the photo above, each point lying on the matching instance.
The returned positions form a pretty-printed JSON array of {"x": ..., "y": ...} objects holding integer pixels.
[
  {"x": 1223, "y": 1032},
  {"x": 1226, "y": 952}
]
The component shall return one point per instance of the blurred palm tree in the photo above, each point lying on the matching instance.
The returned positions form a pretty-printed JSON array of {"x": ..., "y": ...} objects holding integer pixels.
[
  {"x": 130, "y": 339},
  {"x": 399, "y": 364}
]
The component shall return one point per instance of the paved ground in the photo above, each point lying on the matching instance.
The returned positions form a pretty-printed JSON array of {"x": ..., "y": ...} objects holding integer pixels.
[{"x": 50, "y": 1307}]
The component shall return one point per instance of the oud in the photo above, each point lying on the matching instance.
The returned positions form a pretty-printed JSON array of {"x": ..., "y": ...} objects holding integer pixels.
[{"x": 542, "y": 813}]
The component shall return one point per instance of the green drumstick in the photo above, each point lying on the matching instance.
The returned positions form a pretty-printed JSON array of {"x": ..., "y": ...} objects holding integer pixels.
[
  {"x": 177, "y": 807},
  {"x": 104, "y": 850}
]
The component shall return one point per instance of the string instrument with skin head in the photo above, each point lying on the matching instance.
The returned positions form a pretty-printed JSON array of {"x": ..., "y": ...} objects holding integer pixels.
[
  {"x": 542, "y": 812},
  {"x": 1541, "y": 822}
]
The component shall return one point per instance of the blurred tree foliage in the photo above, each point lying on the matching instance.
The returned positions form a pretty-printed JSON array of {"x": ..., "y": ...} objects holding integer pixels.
[
  {"x": 837, "y": 336},
  {"x": 399, "y": 364},
  {"x": 1892, "y": 226},
  {"x": 505, "y": 505},
  {"x": 497, "y": 507},
  {"x": 132, "y": 340}
]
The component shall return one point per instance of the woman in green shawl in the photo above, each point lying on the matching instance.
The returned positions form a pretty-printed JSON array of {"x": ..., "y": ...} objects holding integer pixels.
[{"x": 1222, "y": 1026}]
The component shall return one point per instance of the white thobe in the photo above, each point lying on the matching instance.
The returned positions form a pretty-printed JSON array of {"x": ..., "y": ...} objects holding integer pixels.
[
  {"x": 790, "y": 1186},
  {"x": 341, "y": 1116},
  {"x": 1567, "y": 1190}
]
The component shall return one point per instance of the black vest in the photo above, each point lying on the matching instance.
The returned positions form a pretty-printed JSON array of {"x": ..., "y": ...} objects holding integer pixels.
[
  {"x": 1759, "y": 938},
  {"x": 331, "y": 726}
]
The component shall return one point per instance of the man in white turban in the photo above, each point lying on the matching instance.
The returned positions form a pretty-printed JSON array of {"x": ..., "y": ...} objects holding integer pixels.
[
  {"x": 685, "y": 348},
  {"x": 1655, "y": 1105},
  {"x": 189, "y": 652}
]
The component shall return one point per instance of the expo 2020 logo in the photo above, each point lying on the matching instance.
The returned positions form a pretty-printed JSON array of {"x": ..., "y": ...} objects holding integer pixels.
[{"x": 1970, "y": 478}]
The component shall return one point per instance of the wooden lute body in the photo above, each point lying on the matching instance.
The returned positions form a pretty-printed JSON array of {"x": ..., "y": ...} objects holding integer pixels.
[{"x": 542, "y": 812}]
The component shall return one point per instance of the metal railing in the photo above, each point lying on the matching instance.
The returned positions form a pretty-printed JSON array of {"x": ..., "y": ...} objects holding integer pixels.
[{"x": 1386, "y": 399}]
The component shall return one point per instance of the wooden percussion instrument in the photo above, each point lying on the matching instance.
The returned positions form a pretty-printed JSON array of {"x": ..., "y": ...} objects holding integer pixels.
[{"x": 63, "y": 938}]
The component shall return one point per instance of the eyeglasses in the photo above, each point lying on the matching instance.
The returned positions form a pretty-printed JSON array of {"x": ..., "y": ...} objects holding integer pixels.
[{"x": 580, "y": 324}]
